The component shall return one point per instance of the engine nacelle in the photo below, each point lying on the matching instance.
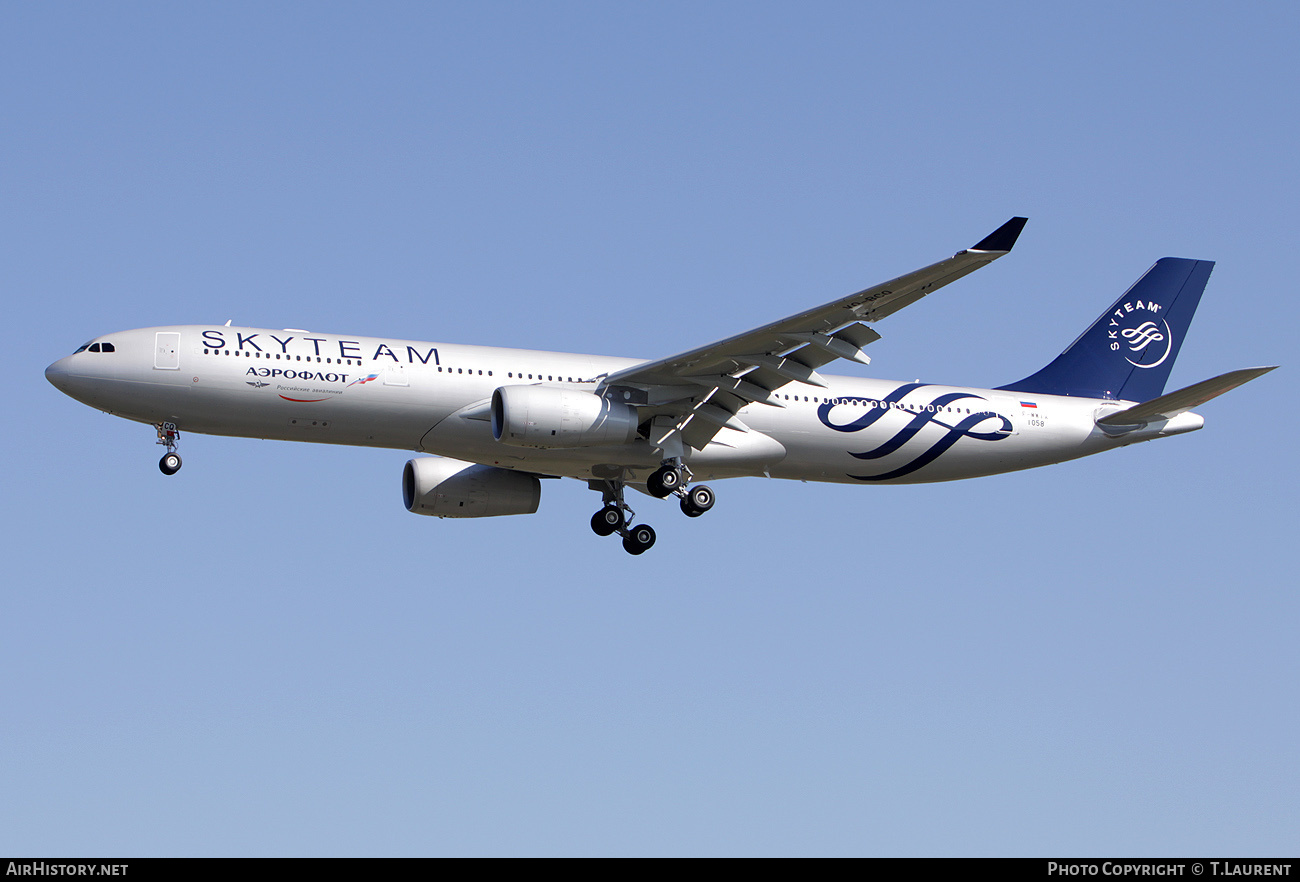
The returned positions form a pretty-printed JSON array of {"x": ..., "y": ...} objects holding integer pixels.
[
  {"x": 449, "y": 488},
  {"x": 547, "y": 417}
]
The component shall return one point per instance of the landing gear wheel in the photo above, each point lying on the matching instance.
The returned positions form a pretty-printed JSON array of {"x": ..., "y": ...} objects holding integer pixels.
[
  {"x": 639, "y": 539},
  {"x": 697, "y": 501},
  {"x": 607, "y": 521},
  {"x": 663, "y": 481},
  {"x": 168, "y": 434}
]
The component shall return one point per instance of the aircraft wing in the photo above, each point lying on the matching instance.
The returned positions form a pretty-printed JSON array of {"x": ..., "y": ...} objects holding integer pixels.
[{"x": 695, "y": 393}]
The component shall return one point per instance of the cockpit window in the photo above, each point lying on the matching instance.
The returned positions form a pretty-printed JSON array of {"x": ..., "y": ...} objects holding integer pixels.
[
  {"x": 99, "y": 347},
  {"x": 108, "y": 347},
  {"x": 82, "y": 348}
]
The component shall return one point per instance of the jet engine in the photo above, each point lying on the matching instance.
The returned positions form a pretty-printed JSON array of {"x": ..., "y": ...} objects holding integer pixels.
[
  {"x": 449, "y": 488},
  {"x": 547, "y": 417}
]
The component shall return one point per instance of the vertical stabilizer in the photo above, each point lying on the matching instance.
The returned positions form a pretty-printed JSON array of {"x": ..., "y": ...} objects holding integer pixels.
[{"x": 1128, "y": 352}]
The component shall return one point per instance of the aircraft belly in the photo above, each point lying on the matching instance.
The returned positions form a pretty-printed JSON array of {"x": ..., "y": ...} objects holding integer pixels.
[
  {"x": 134, "y": 398},
  {"x": 471, "y": 440},
  {"x": 730, "y": 454},
  {"x": 222, "y": 403}
]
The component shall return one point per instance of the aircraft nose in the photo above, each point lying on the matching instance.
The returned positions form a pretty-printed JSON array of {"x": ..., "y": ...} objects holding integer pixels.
[{"x": 59, "y": 375}]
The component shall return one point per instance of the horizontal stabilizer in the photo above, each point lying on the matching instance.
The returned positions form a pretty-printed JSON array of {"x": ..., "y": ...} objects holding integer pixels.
[{"x": 1169, "y": 406}]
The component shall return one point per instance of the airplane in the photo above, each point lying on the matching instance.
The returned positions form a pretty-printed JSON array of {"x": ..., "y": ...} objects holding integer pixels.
[{"x": 497, "y": 421}]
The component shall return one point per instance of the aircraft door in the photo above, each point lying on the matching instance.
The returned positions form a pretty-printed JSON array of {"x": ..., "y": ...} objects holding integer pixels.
[{"x": 167, "y": 351}]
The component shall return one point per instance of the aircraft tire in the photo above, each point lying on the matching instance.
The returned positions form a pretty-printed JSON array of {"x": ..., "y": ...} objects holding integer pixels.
[
  {"x": 606, "y": 521},
  {"x": 663, "y": 481},
  {"x": 170, "y": 464},
  {"x": 698, "y": 500},
  {"x": 639, "y": 539}
]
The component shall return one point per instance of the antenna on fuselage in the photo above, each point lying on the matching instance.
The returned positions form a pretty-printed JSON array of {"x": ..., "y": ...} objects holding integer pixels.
[{"x": 228, "y": 321}]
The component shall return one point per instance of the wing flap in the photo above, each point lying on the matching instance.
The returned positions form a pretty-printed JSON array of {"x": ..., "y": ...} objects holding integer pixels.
[{"x": 719, "y": 416}]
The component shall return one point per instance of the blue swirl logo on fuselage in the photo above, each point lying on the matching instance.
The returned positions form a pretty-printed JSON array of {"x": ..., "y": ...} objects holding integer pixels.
[{"x": 931, "y": 412}]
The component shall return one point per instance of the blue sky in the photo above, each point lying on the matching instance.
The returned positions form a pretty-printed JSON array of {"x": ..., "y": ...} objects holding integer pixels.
[{"x": 266, "y": 655}]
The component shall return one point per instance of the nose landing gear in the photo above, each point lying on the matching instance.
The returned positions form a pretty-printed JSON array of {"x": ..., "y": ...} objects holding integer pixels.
[{"x": 168, "y": 435}]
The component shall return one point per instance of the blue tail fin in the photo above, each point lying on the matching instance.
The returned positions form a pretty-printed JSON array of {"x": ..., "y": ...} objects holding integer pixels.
[{"x": 1128, "y": 352}]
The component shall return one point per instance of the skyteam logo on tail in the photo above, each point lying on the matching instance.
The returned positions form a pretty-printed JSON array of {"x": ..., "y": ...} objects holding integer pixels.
[
  {"x": 958, "y": 422},
  {"x": 1137, "y": 331}
]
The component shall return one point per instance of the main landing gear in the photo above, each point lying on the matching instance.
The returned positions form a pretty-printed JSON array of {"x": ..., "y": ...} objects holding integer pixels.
[
  {"x": 168, "y": 435},
  {"x": 673, "y": 477},
  {"x": 615, "y": 517}
]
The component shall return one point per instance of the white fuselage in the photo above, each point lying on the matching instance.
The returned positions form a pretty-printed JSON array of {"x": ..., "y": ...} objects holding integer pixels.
[{"x": 433, "y": 397}]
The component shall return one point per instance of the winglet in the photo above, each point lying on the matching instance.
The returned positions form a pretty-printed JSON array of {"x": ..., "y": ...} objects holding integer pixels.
[{"x": 1003, "y": 237}]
